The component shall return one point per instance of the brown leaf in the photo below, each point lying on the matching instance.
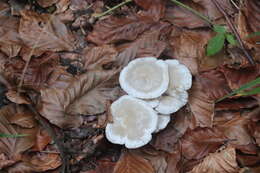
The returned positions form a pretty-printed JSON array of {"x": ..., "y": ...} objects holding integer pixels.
[
  {"x": 155, "y": 8},
  {"x": 189, "y": 48},
  {"x": 197, "y": 143},
  {"x": 10, "y": 42},
  {"x": 173, "y": 160},
  {"x": 236, "y": 104},
  {"x": 184, "y": 18},
  {"x": 223, "y": 161},
  {"x": 96, "y": 58},
  {"x": 113, "y": 29},
  {"x": 13, "y": 147},
  {"x": 18, "y": 98},
  {"x": 42, "y": 140},
  {"x": 104, "y": 166},
  {"x": 38, "y": 73},
  {"x": 23, "y": 119},
  {"x": 46, "y": 3},
  {"x": 86, "y": 94},
  {"x": 52, "y": 34},
  {"x": 251, "y": 9},
  {"x": 132, "y": 163},
  {"x": 238, "y": 77},
  {"x": 166, "y": 140},
  {"x": 202, "y": 107},
  {"x": 236, "y": 130}
]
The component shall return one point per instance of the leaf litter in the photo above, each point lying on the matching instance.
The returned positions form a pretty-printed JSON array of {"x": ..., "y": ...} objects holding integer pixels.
[{"x": 60, "y": 63}]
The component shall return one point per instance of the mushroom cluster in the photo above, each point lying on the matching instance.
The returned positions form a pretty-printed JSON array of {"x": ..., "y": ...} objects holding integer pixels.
[{"x": 156, "y": 89}]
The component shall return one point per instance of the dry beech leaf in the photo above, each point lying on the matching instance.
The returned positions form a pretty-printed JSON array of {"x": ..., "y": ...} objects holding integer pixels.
[
  {"x": 104, "y": 166},
  {"x": 52, "y": 34},
  {"x": 223, "y": 161},
  {"x": 251, "y": 9},
  {"x": 202, "y": 107},
  {"x": 239, "y": 77},
  {"x": 42, "y": 140},
  {"x": 133, "y": 163},
  {"x": 86, "y": 94},
  {"x": 96, "y": 58},
  {"x": 197, "y": 143},
  {"x": 155, "y": 8},
  {"x": 189, "y": 48},
  {"x": 38, "y": 73},
  {"x": 167, "y": 139},
  {"x": 13, "y": 147},
  {"x": 113, "y": 29},
  {"x": 149, "y": 44},
  {"x": 46, "y": 3},
  {"x": 184, "y": 18},
  {"x": 236, "y": 130},
  {"x": 173, "y": 161},
  {"x": 10, "y": 42},
  {"x": 236, "y": 104},
  {"x": 214, "y": 84},
  {"x": 16, "y": 97},
  {"x": 23, "y": 119}
]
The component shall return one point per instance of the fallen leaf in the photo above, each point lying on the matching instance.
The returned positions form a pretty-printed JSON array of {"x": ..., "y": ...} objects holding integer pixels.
[
  {"x": 167, "y": 139},
  {"x": 236, "y": 104},
  {"x": 132, "y": 163},
  {"x": 197, "y": 143},
  {"x": 42, "y": 140},
  {"x": 236, "y": 130},
  {"x": 86, "y": 94},
  {"x": 23, "y": 119},
  {"x": 103, "y": 166},
  {"x": 46, "y": 3},
  {"x": 251, "y": 10},
  {"x": 113, "y": 29},
  {"x": 13, "y": 147},
  {"x": 201, "y": 105},
  {"x": 184, "y": 18},
  {"x": 155, "y": 8},
  {"x": 223, "y": 161},
  {"x": 16, "y": 97},
  {"x": 173, "y": 161},
  {"x": 52, "y": 34},
  {"x": 237, "y": 77}
]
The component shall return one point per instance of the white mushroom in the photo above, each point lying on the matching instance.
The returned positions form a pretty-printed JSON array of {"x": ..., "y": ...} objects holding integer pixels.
[
  {"x": 145, "y": 78},
  {"x": 152, "y": 102},
  {"x": 170, "y": 104},
  {"x": 133, "y": 122},
  {"x": 163, "y": 121},
  {"x": 180, "y": 78}
]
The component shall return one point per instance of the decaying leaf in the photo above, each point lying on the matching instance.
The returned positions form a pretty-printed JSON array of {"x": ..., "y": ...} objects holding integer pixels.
[
  {"x": 52, "y": 34},
  {"x": 132, "y": 163},
  {"x": 113, "y": 29},
  {"x": 223, "y": 161},
  {"x": 201, "y": 105},
  {"x": 46, "y": 3},
  {"x": 86, "y": 94},
  {"x": 13, "y": 147},
  {"x": 197, "y": 143}
]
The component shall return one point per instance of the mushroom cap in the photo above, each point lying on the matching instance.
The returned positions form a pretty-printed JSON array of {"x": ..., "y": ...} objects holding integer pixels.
[
  {"x": 145, "y": 78},
  {"x": 170, "y": 104},
  {"x": 180, "y": 78},
  {"x": 163, "y": 121},
  {"x": 152, "y": 102},
  {"x": 133, "y": 122}
]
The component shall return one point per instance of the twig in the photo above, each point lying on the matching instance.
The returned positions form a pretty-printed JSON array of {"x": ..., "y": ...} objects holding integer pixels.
[
  {"x": 234, "y": 4},
  {"x": 233, "y": 28},
  {"x": 112, "y": 9},
  {"x": 193, "y": 11}
]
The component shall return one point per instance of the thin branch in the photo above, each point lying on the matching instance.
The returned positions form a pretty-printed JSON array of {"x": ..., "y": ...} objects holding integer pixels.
[
  {"x": 193, "y": 11},
  {"x": 233, "y": 28},
  {"x": 112, "y": 9}
]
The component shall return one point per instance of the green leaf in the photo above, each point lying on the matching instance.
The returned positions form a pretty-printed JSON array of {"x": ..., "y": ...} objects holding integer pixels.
[
  {"x": 231, "y": 39},
  {"x": 243, "y": 87},
  {"x": 251, "y": 92},
  {"x": 2, "y": 135},
  {"x": 215, "y": 44},
  {"x": 219, "y": 29}
]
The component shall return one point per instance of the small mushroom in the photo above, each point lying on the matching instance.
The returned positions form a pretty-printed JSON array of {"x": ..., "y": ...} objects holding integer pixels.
[
  {"x": 172, "y": 103},
  {"x": 152, "y": 102},
  {"x": 180, "y": 78},
  {"x": 163, "y": 121},
  {"x": 133, "y": 122},
  {"x": 145, "y": 78}
]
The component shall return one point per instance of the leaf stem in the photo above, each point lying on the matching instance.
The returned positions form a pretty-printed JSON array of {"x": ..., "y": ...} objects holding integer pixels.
[
  {"x": 112, "y": 9},
  {"x": 193, "y": 11}
]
